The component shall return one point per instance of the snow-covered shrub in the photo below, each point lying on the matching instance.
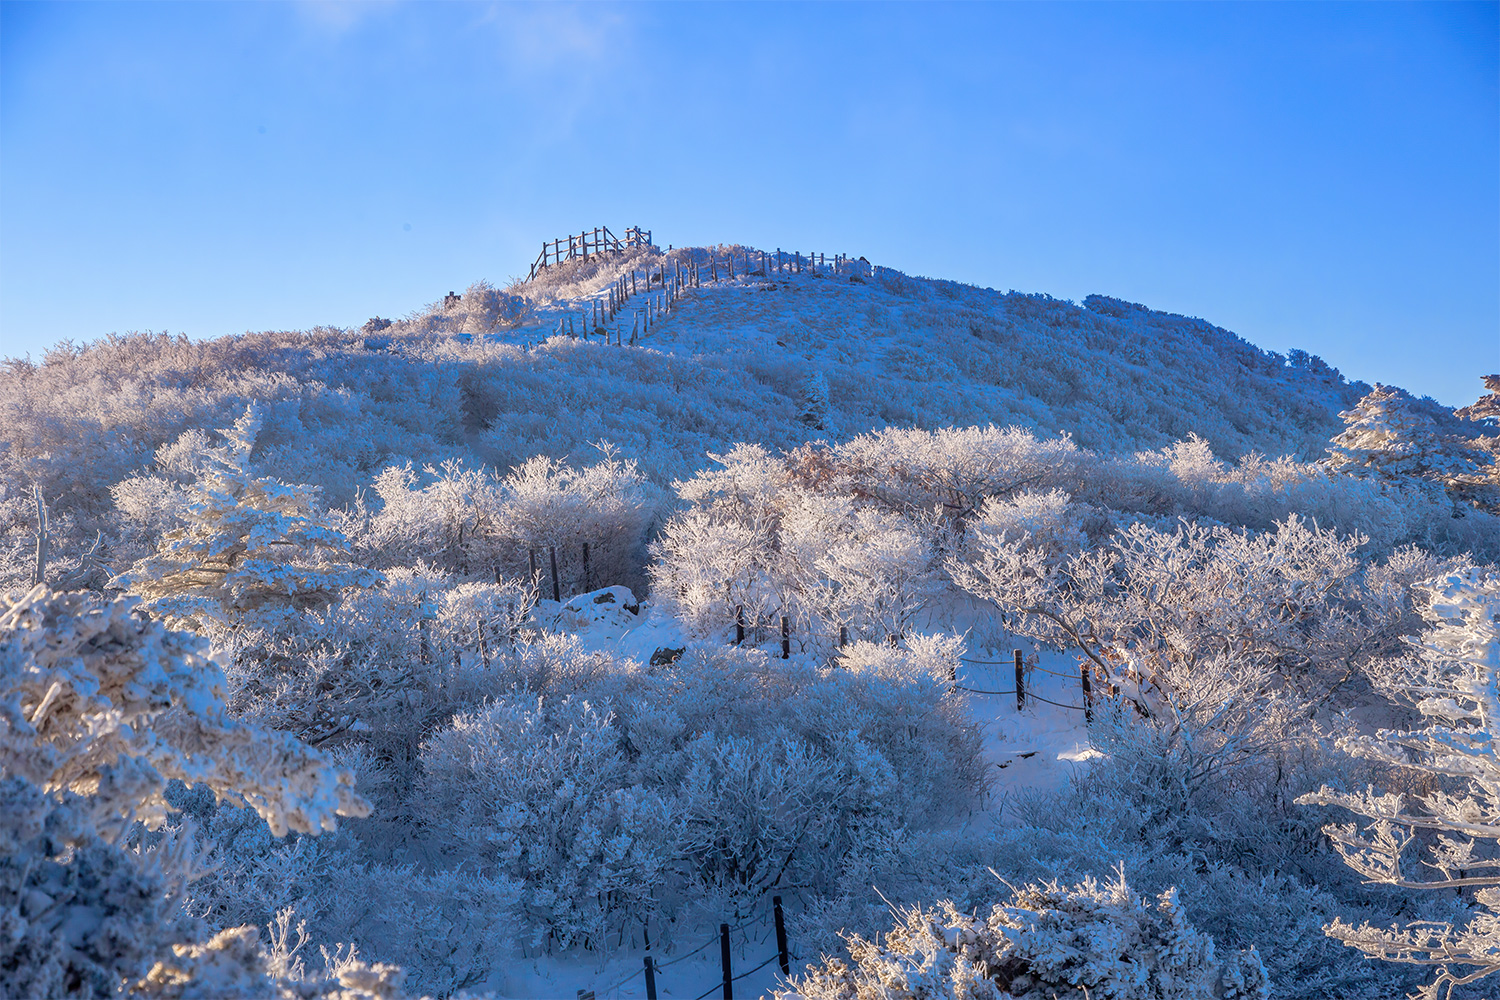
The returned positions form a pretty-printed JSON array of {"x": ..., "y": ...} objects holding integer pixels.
[
  {"x": 602, "y": 508},
  {"x": 954, "y": 469},
  {"x": 486, "y": 307},
  {"x": 757, "y": 538},
  {"x": 1049, "y": 521},
  {"x": 815, "y": 401},
  {"x": 233, "y": 966},
  {"x": 1147, "y": 601},
  {"x": 1091, "y": 941},
  {"x": 539, "y": 791},
  {"x": 468, "y": 522},
  {"x": 480, "y": 618},
  {"x": 1454, "y": 684},
  {"x": 608, "y": 791},
  {"x": 449, "y": 523},
  {"x": 384, "y": 664},
  {"x": 863, "y": 568}
]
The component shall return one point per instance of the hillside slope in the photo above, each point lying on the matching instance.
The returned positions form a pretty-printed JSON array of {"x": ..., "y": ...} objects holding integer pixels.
[{"x": 489, "y": 379}]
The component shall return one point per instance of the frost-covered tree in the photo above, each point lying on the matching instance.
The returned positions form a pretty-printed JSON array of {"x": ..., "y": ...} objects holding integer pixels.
[
  {"x": 248, "y": 542},
  {"x": 1487, "y": 408},
  {"x": 471, "y": 522},
  {"x": 1148, "y": 603},
  {"x": 1393, "y": 436},
  {"x": 1047, "y": 942},
  {"x": 768, "y": 536},
  {"x": 100, "y": 708},
  {"x": 1455, "y": 685}
]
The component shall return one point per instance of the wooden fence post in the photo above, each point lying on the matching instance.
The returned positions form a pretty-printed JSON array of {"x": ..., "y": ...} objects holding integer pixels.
[
  {"x": 1020, "y": 682},
  {"x": 556, "y": 589},
  {"x": 781, "y": 949},
  {"x": 586, "y": 586},
  {"x": 843, "y": 636},
  {"x": 739, "y": 625},
  {"x": 786, "y": 638},
  {"x": 1088, "y": 692},
  {"x": 43, "y": 537},
  {"x": 724, "y": 961},
  {"x": 650, "y": 979}
]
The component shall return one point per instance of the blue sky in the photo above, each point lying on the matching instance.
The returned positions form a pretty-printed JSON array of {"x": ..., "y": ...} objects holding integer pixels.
[{"x": 1307, "y": 175}]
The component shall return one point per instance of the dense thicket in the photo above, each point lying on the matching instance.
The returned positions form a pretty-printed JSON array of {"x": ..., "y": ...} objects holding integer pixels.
[{"x": 361, "y": 530}]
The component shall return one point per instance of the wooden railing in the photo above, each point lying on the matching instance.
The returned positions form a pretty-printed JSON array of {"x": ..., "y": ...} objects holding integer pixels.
[{"x": 589, "y": 242}]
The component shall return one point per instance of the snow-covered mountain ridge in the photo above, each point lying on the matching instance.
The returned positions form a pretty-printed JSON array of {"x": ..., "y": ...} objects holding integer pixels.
[{"x": 488, "y": 378}]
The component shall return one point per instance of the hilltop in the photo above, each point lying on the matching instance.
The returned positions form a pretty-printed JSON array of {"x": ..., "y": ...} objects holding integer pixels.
[{"x": 493, "y": 377}]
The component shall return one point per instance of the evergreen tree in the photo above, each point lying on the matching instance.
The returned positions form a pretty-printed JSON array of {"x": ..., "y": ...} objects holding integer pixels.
[
  {"x": 249, "y": 541},
  {"x": 1456, "y": 685},
  {"x": 1391, "y": 435},
  {"x": 99, "y": 709}
]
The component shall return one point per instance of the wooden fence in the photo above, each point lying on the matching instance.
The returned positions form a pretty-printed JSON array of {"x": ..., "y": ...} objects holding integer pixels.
[
  {"x": 589, "y": 242},
  {"x": 672, "y": 275}
]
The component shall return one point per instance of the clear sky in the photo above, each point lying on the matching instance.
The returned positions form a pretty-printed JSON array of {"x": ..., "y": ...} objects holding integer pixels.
[{"x": 1307, "y": 175}]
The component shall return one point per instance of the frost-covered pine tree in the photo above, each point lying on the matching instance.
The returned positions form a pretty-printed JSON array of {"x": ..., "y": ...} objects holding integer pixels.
[
  {"x": 99, "y": 709},
  {"x": 1455, "y": 684},
  {"x": 1391, "y": 435},
  {"x": 249, "y": 541},
  {"x": 1487, "y": 408}
]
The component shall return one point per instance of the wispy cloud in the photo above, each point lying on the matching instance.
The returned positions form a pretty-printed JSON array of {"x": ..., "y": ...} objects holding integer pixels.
[{"x": 340, "y": 16}]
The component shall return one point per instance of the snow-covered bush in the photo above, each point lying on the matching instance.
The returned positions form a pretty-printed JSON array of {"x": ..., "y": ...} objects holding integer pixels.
[
  {"x": 954, "y": 470},
  {"x": 540, "y": 791},
  {"x": 388, "y": 662},
  {"x": 1392, "y": 436},
  {"x": 449, "y": 523},
  {"x": 610, "y": 792},
  {"x": 1147, "y": 602},
  {"x": 1049, "y": 521},
  {"x": 1091, "y": 941},
  {"x": 468, "y": 522},
  {"x": 758, "y": 539},
  {"x": 1454, "y": 684},
  {"x": 233, "y": 966}
]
